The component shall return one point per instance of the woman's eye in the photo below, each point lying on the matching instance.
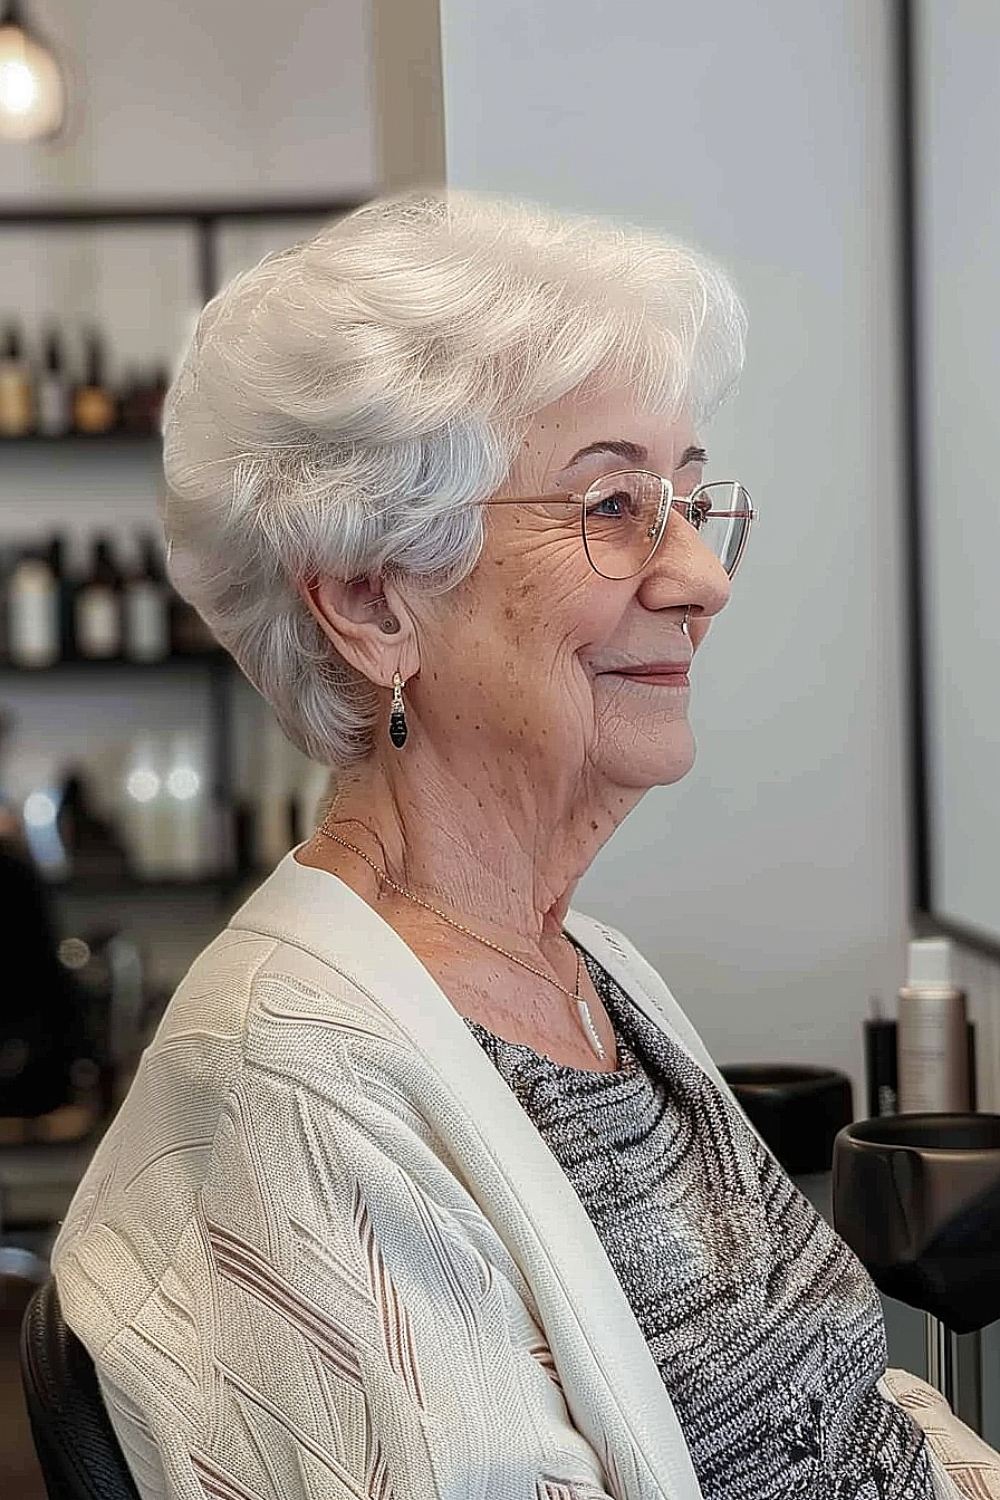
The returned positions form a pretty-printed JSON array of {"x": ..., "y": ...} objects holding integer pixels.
[{"x": 611, "y": 506}]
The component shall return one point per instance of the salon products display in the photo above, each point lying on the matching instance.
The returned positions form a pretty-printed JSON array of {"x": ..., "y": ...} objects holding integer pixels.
[
  {"x": 44, "y": 393},
  {"x": 103, "y": 608},
  {"x": 150, "y": 809}
]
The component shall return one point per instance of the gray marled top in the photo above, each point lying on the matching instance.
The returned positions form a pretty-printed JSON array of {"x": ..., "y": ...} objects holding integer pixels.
[{"x": 766, "y": 1329}]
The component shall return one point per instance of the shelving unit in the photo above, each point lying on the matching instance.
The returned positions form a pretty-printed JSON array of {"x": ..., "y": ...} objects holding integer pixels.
[
  {"x": 81, "y": 439},
  {"x": 89, "y": 666},
  {"x": 204, "y": 221},
  {"x": 131, "y": 887}
]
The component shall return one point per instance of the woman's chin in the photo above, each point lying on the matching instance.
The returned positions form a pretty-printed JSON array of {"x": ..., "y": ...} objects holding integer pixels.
[{"x": 645, "y": 760}]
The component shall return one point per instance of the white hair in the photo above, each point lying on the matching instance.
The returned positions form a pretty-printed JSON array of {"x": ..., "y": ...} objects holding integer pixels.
[{"x": 343, "y": 405}]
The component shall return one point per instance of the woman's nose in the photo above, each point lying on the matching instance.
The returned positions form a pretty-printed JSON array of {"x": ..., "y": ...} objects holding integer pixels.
[{"x": 683, "y": 565}]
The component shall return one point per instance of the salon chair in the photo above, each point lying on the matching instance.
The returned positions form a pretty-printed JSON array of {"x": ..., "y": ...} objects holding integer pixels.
[
  {"x": 917, "y": 1198},
  {"x": 67, "y": 1040},
  {"x": 77, "y": 1449},
  {"x": 797, "y": 1109}
]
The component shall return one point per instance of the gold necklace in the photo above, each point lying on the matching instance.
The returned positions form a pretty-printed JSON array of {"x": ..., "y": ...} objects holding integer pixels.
[{"x": 581, "y": 1004}]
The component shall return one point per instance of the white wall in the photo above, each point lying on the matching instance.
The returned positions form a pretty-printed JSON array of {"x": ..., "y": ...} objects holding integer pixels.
[
  {"x": 769, "y": 886},
  {"x": 203, "y": 99}
]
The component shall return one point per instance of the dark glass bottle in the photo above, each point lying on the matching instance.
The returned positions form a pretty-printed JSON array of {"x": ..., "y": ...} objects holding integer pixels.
[
  {"x": 94, "y": 407},
  {"x": 55, "y": 557},
  {"x": 97, "y": 614},
  {"x": 156, "y": 397},
  {"x": 17, "y": 393}
]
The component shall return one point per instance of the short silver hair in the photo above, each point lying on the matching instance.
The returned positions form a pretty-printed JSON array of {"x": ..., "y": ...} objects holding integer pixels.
[{"x": 343, "y": 405}]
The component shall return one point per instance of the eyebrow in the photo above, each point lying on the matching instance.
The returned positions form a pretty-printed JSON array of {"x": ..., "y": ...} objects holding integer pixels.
[{"x": 634, "y": 452}]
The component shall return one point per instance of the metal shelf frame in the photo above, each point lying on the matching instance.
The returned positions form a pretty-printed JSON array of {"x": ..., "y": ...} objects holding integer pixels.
[{"x": 204, "y": 217}]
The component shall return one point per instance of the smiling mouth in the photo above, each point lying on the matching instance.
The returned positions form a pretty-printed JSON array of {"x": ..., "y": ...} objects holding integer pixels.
[
  {"x": 658, "y": 674},
  {"x": 658, "y": 677}
]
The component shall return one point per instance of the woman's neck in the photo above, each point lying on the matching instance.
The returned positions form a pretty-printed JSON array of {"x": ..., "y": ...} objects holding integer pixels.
[{"x": 502, "y": 857}]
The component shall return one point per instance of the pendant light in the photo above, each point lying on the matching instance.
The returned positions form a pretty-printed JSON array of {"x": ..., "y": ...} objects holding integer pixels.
[{"x": 32, "y": 91}]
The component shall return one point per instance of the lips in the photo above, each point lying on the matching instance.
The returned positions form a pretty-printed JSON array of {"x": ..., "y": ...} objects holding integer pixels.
[{"x": 656, "y": 669}]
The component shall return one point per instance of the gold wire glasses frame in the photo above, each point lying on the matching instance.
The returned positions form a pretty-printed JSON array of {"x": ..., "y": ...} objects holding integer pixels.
[{"x": 696, "y": 509}]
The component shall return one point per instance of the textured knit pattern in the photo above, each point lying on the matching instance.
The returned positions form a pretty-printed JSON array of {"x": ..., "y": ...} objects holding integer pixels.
[
  {"x": 766, "y": 1329},
  {"x": 323, "y": 1253},
  {"x": 287, "y": 1290}
]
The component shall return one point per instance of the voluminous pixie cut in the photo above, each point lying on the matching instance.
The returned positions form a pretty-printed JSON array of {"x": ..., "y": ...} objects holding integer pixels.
[{"x": 342, "y": 405}]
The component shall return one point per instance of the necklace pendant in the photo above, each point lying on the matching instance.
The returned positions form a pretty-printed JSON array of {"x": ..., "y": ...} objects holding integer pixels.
[{"x": 590, "y": 1028}]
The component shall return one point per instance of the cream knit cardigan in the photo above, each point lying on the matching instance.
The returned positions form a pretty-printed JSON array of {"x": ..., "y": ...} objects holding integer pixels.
[{"x": 322, "y": 1252}]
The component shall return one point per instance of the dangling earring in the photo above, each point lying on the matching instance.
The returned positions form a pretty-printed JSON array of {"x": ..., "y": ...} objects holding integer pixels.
[{"x": 397, "y": 718}]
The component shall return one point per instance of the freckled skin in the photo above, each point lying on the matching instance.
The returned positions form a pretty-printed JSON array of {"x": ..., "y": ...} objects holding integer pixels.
[{"x": 495, "y": 808}]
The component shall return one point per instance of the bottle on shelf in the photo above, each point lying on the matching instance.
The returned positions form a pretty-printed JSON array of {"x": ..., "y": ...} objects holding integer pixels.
[
  {"x": 33, "y": 626},
  {"x": 55, "y": 555},
  {"x": 130, "y": 402},
  {"x": 95, "y": 410},
  {"x": 17, "y": 388},
  {"x": 147, "y": 607},
  {"x": 156, "y": 395},
  {"x": 142, "y": 400},
  {"x": 6, "y": 568},
  {"x": 186, "y": 784},
  {"x": 97, "y": 612},
  {"x": 54, "y": 395},
  {"x": 92, "y": 842},
  {"x": 189, "y": 635},
  {"x": 144, "y": 808}
]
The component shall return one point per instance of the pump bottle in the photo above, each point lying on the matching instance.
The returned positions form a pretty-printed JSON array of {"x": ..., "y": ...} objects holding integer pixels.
[{"x": 932, "y": 1035}]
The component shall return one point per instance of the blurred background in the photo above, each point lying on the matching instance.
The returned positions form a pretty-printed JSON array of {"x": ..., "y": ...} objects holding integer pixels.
[{"x": 839, "y": 157}]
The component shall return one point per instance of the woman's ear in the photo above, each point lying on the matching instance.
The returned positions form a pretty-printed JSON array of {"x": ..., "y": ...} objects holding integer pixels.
[{"x": 375, "y": 636}]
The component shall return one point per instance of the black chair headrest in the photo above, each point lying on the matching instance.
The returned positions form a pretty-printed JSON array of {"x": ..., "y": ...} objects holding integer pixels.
[{"x": 77, "y": 1448}]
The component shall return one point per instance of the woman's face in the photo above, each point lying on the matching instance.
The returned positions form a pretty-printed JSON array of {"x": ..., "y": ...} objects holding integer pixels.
[{"x": 536, "y": 657}]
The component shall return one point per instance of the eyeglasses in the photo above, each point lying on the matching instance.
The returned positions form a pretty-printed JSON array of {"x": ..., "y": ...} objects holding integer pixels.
[{"x": 623, "y": 519}]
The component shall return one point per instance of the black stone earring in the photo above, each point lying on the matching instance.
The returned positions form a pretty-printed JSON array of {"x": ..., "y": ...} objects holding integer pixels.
[{"x": 397, "y": 718}]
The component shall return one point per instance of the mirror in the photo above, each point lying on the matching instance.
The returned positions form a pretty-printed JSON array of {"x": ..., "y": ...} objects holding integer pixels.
[{"x": 954, "y": 140}]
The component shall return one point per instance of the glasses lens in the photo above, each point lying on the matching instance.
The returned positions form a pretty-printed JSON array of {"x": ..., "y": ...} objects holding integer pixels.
[
  {"x": 720, "y": 514},
  {"x": 621, "y": 519}
]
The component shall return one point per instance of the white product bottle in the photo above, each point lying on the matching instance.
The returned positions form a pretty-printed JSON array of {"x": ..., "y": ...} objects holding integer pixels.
[
  {"x": 33, "y": 614},
  {"x": 145, "y": 809},
  {"x": 147, "y": 610},
  {"x": 54, "y": 393},
  {"x": 932, "y": 1034},
  {"x": 98, "y": 612},
  {"x": 186, "y": 786}
]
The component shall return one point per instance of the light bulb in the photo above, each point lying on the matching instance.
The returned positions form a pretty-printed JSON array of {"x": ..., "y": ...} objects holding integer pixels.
[{"x": 32, "y": 94}]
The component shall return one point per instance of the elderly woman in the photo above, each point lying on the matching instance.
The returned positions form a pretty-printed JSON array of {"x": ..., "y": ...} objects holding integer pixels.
[{"x": 426, "y": 1187}]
